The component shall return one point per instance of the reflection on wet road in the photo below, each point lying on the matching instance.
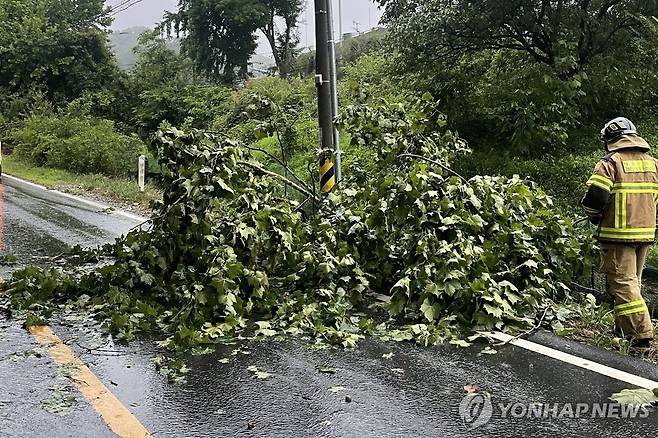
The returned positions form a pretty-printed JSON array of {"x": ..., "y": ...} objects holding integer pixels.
[{"x": 36, "y": 225}]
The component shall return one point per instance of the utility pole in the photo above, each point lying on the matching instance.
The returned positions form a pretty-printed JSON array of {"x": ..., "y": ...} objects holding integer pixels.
[
  {"x": 333, "y": 72},
  {"x": 340, "y": 21},
  {"x": 327, "y": 103}
]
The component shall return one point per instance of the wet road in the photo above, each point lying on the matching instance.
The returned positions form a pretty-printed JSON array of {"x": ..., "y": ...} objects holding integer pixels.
[
  {"x": 414, "y": 393},
  {"x": 38, "y": 224}
]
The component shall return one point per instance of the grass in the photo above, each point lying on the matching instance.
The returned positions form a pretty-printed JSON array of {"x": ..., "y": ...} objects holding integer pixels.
[
  {"x": 593, "y": 324},
  {"x": 111, "y": 189}
]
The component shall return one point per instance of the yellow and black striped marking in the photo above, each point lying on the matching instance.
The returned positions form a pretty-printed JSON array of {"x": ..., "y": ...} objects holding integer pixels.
[{"x": 327, "y": 176}]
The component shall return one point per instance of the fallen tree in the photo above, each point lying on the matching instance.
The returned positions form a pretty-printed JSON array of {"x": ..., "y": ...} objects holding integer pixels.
[{"x": 410, "y": 251}]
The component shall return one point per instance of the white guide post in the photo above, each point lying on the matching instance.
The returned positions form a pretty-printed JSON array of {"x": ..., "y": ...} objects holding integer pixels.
[{"x": 141, "y": 173}]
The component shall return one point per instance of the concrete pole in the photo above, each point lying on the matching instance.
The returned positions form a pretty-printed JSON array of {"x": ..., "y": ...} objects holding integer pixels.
[
  {"x": 333, "y": 72},
  {"x": 323, "y": 84},
  {"x": 340, "y": 20}
]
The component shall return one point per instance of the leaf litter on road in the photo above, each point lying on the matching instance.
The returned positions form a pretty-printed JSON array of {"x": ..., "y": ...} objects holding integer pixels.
[
  {"x": 636, "y": 397},
  {"x": 258, "y": 373}
]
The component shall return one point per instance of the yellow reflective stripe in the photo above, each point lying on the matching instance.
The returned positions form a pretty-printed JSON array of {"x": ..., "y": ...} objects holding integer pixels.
[
  {"x": 638, "y": 306},
  {"x": 624, "y": 210},
  {"x": 629, "y": 237},
  {"x": 618, "y": 224},
  {"x": 600, "y": 181},
  {"x": 599, "y": 184},
  {"x": 631, "y": 311},
  {"x": 630, "y": 304},
  {"x": 639, "y": 166},
  {"x": 630, "y": 185},
  {"x": 628, "y": 233},
  {"x": 639, "y": 191},
  {"x": 640, "y": 309},
  {"x": 629, "y": 230},
  {"x": 635, "y": 187}
]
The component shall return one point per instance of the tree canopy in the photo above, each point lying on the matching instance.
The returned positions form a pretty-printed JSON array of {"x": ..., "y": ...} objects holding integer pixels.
[
  {"x": 221, "y": 35},
  {"x": 58, "y": 46},
  {"x": 566, "y": 34}
]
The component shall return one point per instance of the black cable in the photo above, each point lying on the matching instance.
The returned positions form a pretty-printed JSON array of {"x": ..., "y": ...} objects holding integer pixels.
[
  {"x": 125, "y": 8},
  {"x": 120, "y": 4}
]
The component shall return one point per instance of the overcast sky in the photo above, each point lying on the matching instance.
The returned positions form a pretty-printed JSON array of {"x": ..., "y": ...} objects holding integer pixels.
[{"x": 361, "y": 14}]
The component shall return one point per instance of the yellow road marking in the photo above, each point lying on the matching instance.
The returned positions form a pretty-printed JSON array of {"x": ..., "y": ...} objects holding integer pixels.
[{"x": 114, "y": 414}]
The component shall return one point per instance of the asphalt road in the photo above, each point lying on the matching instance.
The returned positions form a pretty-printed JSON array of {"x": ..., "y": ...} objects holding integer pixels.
[
  {"x": 416, "y": 392},
  {"x": 37, "y": 224}
]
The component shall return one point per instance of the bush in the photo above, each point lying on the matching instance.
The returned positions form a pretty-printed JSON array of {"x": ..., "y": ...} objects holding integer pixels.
[
  {"x": 78, "y": 144},
  {"x": 193, "y": 106},
  {"x": 262, "y": 99},
  {"x": 371, "y": 75},
  {"x": 562, "y": 178}
]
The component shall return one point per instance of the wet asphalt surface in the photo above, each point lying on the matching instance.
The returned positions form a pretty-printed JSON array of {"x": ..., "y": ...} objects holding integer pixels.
[{"x": 415, "y": 393}]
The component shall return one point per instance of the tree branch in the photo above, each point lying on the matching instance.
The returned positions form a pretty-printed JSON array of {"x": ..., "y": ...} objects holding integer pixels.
[
  {"x": 280, "y": 177},
  {"x": 436, "y": 163},
  {"x": 281, "y": 163}
]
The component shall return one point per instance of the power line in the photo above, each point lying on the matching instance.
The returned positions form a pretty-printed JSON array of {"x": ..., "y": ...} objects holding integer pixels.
[
  {"x": 125, "y": 7},
  {"x": 120, "y": 4}
]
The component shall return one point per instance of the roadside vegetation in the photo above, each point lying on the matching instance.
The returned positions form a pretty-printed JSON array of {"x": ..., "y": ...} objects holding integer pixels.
[
  {"x": 415, "y": 244},
  {"x": 117, "y": 192}
]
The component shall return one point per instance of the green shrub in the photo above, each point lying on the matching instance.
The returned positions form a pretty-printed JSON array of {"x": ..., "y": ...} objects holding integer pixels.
[
  {"x": 371, "y": 75},
  {"x": 78, "y": 144},
  {"x": 562, "y": 178},
  {"x": 181, "y": 105}
]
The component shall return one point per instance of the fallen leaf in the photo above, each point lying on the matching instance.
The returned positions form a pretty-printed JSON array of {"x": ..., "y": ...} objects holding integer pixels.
[
  {"x": 635, "y": 397},
  {"x": 260, "y": 374},
  {"x": 387, "y": 356},
  {"x": 471, "y": 388},
  {"x": 327, "y": 370},
  {"x": 460, "y": 343},
  {"x": 263, "y": 374},
  {"x": 397, "y": 370},
  {"x": 223, "y": 360},
  {"x": 337, "y": 389}
]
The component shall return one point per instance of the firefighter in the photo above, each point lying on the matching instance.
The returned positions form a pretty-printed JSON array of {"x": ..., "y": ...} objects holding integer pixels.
[{"x": 621, "y": 199}]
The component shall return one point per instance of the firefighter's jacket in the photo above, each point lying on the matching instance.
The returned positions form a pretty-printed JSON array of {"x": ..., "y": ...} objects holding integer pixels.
[{"x": 622, "y": 193}]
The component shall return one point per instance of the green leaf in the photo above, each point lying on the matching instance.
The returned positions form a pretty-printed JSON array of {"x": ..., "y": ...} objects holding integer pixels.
[
  {"x": 635, "y": 397},
  {"x": 428, "y": 310},
  {"x": 494, "y": 310},
  {"x": 460, "y": 343}
]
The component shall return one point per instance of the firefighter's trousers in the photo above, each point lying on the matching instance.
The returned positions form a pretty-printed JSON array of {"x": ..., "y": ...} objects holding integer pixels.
[{"x": 623, "y": 265}]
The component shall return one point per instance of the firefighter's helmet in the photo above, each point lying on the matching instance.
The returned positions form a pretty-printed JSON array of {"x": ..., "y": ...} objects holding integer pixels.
[{"x": 617, "y": 128}]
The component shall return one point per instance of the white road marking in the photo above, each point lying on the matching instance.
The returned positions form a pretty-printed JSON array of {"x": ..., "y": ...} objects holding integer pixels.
[
  {"x": 92, "y": 204},
  {"x": 589, "y": 365}
]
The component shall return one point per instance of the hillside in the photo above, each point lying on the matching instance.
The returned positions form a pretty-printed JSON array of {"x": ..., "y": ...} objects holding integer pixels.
[{"x": 123, "y": 42}]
